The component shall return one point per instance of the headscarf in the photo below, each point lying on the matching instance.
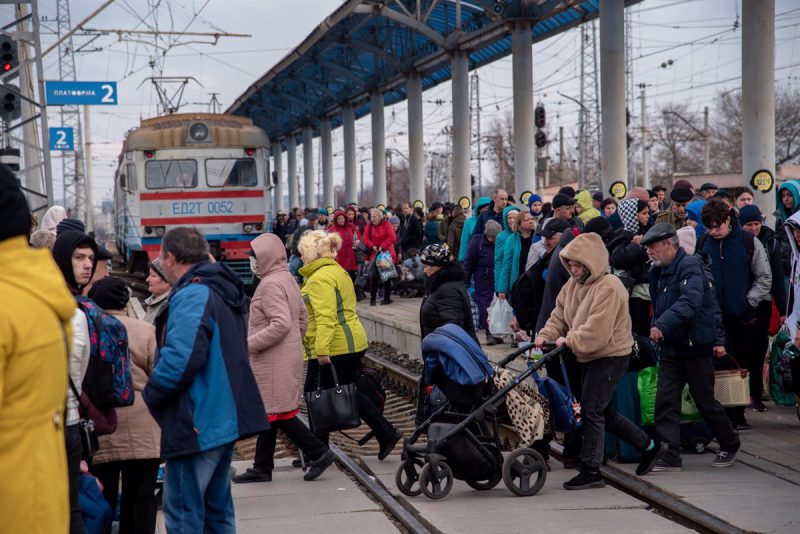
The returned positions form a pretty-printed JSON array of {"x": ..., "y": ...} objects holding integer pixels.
[{"x": 627, "y": 213}]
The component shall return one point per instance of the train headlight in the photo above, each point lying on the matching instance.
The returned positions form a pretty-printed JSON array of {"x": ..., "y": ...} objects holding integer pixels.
[
  {"x": 198, "y": 131},
  {"x": 148, "y": 229},
  {"x": 160, "y": 231},
  {"x": 247, "y": 228}
]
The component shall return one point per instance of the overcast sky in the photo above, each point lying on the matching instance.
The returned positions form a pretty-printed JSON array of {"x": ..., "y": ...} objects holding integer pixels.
[{"x": 700, "y": 36}]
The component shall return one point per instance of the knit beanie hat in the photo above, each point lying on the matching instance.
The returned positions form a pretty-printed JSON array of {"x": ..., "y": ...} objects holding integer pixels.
[
  {"x": 156, "y": 266},
  {"x": 681, "y": 194},
  {"x": 70, "y": 223},
  {"x": 110, "y": 293},
  {"x": 492, "y": 228},
  {"x": 749, "y": 213},
  {"x": 687, "y": 239},
  {"x": 394, "y": 219},
  {"x": 15, "y": 217}
]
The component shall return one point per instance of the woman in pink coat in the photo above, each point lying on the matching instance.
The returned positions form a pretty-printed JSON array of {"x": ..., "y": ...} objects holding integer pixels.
[
  {"x": 379, "y": 236},
  {"x": 275, "y": 344}
]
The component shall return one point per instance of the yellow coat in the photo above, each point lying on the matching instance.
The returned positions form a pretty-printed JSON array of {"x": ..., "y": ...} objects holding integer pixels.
[
  {"x": 34, "y": 317},
  {"x": 333, "y": 325}
]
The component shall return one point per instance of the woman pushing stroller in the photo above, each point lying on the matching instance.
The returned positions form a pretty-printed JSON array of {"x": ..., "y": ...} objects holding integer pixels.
[{"x": 591, "y": 318}]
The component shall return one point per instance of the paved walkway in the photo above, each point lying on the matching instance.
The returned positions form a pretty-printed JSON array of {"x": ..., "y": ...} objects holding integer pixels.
[{"x": 333, "y": 503}]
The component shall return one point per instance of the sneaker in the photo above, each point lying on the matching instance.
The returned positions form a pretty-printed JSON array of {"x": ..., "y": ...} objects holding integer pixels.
[
  {"x": 389, "y": 445},
  {"x": 724, "y": 459},
  {"x": 757, "y": 406},
  {"x": 297, "y": 463},
  {"x": 585, "y": 480},
  {"x": 666, "y": 466},
  {"x": 253, "y": 474},
  {"x": 318, "y": 466},
  {"x": 650, "y": 458},
  {"x": 490, "y": 340}
]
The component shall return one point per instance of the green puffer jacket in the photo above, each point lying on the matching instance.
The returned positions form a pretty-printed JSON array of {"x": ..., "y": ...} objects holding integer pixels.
[{"x": 333, "y": 325}]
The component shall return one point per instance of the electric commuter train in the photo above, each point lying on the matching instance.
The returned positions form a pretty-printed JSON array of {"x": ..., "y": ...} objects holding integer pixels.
[{"x": 207, "y": 171}]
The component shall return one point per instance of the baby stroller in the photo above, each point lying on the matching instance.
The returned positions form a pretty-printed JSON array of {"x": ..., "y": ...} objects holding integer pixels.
[{"x": 465, "y": 444}]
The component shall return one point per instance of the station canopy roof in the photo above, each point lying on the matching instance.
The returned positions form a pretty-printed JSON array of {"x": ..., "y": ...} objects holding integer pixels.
[{"x": 368, "y": 45}]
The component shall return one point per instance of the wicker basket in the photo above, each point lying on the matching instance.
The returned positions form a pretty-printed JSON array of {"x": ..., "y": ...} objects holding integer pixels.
[{"x": 732, "y": 387}]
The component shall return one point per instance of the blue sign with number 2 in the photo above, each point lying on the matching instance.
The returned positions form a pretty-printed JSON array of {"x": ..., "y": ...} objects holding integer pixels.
[{"x": 62, "y": 139}]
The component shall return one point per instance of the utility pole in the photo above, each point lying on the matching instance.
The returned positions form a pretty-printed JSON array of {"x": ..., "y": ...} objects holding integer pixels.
[
  {"x": 560, "y": 157},
  {"x": 88, "y": 158},
  {"x": 71, "y": 166},
  {"x": 361, "y": 191},
  {"x": 645, "y": 148},
  {"x": 706, "y": 148}
]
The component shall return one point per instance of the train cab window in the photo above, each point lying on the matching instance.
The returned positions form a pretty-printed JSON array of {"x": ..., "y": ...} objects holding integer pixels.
[
  {"x": 231, "y": 172},
  {"x": 131, "y": 180},
  {"x": 171, "y": 174}
]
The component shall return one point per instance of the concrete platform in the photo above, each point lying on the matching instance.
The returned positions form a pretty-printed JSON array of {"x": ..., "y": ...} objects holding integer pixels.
[
  {"x": 553, "y": 509},
  {"x": 759, "y": 493},
  {"x": 332, "y": 503}
]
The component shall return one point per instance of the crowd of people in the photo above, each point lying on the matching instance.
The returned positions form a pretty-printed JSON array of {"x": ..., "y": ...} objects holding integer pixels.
[{"x": 698, "y": 274}]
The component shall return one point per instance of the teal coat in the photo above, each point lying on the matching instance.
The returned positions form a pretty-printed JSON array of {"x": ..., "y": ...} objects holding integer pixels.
[
  {"x": 469, "y": 227},
  {"x": 499, "y": 251}
]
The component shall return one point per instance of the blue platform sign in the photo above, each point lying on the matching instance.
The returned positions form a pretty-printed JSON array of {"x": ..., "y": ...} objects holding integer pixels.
[
  {"x": 60, "y": 93},
  {"x": 62, "y": 139}
]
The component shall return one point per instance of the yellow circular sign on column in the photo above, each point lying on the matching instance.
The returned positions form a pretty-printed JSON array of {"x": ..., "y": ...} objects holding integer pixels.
[
  {"x": 618, "y": 190},
  {"x": 524, "y": 197},
  {"x": 419, "y": 204},
  {"x": 762, "y": 181},
  {"x": 380, "y": 207},
  {"x": 330, "y": 210},
  {"x": 464, "y": 202}
]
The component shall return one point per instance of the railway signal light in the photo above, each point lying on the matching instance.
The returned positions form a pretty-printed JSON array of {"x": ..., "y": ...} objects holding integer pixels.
[
  {"x": 9, "y": 60},
  {"x": 10, "y": 102},
  {"x": 539, "y": 116},
  {"x": 540, "y": 139}
]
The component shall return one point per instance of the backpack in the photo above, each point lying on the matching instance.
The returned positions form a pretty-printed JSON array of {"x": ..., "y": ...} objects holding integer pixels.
[
  {"x": 561, "y": 400},
  {"x": 108, "y": 382}
]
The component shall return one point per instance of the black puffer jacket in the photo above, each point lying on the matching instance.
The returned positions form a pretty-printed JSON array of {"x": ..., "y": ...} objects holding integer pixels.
[{"x": 446, "y": 301}]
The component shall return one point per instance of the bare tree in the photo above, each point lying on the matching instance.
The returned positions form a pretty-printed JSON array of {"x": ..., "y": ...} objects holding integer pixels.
[
  {"x": 500, "y": 150},
  {"x": 678, "y": 146}
]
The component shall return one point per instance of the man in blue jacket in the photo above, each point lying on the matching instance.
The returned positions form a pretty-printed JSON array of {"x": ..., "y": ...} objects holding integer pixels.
[
  {"x": 202, "y": 391},
  {"x": 688, "y": 325}
]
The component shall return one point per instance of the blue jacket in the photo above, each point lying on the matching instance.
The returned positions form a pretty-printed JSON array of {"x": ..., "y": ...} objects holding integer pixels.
[
  {"x": 483, "y": 218},
  {"x": 685, "y": 307},
  {"x": 202, "y": 391},
  {"x": 499, "y": 247},
  {"x": 469, "y": 227}
]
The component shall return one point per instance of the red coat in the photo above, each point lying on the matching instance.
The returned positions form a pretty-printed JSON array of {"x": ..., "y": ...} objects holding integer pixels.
[
  {"x": 381, "y": 236},
  {"x": 347, "y": 255}
]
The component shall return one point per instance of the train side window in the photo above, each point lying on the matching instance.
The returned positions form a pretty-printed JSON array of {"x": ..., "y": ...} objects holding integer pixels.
[
  {"x": 132, "y": 182},
  {"x": 170, "y": 174},
  {"x": 231, "y": 172}
]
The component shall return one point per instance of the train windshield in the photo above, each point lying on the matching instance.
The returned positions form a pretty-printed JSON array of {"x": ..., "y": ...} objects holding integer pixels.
[
  {"x": 231, "y": 172},
  {"x": 166, "y": 174}
]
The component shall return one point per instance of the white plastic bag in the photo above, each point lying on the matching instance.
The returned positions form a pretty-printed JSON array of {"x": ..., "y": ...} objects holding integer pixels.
[{"x": 500, "y": 316}]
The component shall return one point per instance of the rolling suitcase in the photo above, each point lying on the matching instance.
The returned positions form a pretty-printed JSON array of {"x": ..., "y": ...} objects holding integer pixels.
[{"x": 626, "y": 402}]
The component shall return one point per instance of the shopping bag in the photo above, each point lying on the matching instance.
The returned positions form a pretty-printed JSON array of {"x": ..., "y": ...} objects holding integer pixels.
[
  {"x": 500, "y": 316},
  {"x": 385, "y": 266}
]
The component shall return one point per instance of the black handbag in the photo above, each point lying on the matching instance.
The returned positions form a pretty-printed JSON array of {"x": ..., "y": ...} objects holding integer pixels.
[
  {"x": 86, "y": 428},
  {"x": 646, "y": 353},
  {"x": 334, "y": 408}
]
